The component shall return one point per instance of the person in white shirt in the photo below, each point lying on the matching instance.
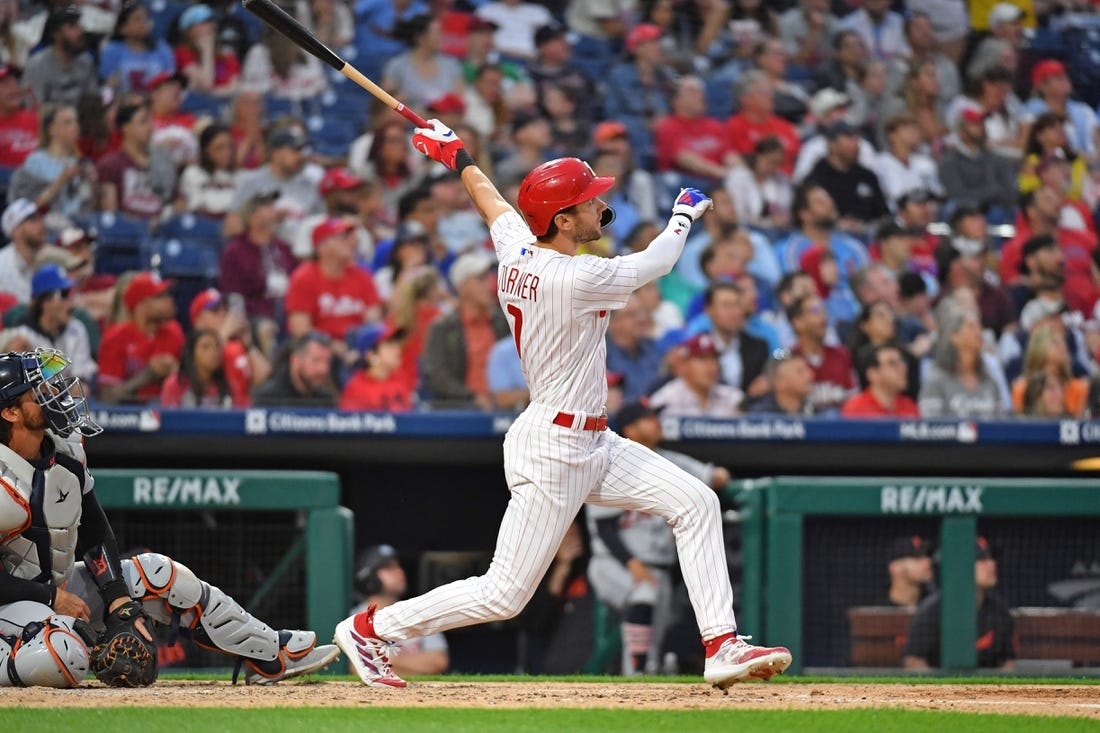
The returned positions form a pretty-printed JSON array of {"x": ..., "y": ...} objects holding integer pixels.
[
  {"x": 882, "y": 30},
  {"x": 697, "y": 391},
  {"x": 516, "y": 23},
  {"x": 900, "y": 169},
  {"x": 24, "y": 224}
]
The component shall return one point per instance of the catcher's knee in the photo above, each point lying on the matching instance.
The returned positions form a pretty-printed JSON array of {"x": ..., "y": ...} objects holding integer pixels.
[
  {"x": 52, "y": 652},
  {"x": 151, "y": 576}
]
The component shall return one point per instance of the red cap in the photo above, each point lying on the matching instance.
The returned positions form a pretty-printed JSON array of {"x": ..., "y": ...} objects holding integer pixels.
[
  {"x": 699, "y": 345},
  {"x": 144, "y": 286},
  {"x": 338, "y": 179},
  {"x": 972, "y": 114},
  {"x": 330, "y": 228},
  {"x": 608, "y": 130},
  {"x": 163, "y": 77},
  {"x": 208, "y": 299},
  {"x": 448, "y": 103},
  {"x": 1046, "y": 69},
  {"x": 642, "y": 33}
]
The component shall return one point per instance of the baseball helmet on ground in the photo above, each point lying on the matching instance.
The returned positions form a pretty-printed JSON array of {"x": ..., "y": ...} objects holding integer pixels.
[{"x": 557, "y": 185}]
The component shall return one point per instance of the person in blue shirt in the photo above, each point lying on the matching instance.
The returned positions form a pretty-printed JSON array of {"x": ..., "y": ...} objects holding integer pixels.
[
  {"x": 815, "y": 216},
  {"x": 133, "y": 56}
]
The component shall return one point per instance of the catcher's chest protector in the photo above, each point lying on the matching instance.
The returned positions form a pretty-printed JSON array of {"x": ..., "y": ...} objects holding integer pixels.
[{"x": 39, "y": 510}]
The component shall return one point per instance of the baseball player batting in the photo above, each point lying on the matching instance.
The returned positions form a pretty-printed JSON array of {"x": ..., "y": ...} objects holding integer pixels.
[{"x": 559, "y": 454}]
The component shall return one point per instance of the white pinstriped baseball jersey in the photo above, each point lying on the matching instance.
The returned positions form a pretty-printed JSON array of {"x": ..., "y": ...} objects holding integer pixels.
[{"x": 557, "y": 308}]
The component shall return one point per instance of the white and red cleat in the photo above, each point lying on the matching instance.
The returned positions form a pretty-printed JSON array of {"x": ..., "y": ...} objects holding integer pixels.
[
  {"x": 737, "y": 660},
  {"x": 369, "y": 654}
]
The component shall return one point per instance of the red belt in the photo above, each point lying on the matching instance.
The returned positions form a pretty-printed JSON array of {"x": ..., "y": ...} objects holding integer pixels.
[{"x": 591, "y": 422}]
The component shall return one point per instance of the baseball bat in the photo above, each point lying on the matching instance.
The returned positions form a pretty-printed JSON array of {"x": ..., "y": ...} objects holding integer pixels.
[{"x": 286, "y": 24}]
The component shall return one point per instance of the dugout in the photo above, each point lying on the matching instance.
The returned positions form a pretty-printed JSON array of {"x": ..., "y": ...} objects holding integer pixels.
[{"x": 815, "y": 557}]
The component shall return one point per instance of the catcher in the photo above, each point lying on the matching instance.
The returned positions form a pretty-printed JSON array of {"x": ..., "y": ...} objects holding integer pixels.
[{"x": 60, "y": 618}]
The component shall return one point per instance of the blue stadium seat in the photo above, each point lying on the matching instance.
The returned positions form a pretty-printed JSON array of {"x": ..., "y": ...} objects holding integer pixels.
[
  {"x": 120, "y": 240},
  {"x": 162, "y": 13},
  {"x": 180, "y": 257},
  {"x": 347, "y": 102},
  {"x": 331, "y": 136},
  {"x": 201, "y": 230},
  {"x": 197, "y": 103}
]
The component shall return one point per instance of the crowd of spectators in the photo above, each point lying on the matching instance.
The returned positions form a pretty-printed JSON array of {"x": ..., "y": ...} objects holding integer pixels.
[{"x": 905, "y": 224}]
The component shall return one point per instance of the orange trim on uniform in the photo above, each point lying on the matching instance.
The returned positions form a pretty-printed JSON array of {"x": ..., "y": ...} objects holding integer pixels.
[
  {"x": 297, "y": 655},
  {"x": 23, "y": 503},
  {"x": 61, "y": 665},
  {"x": 150, "y": 586},
  {"x": 282, "y": 666}
]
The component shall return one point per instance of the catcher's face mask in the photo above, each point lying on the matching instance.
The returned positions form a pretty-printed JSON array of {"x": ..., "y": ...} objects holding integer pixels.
[{"x": 61, "y": 398}]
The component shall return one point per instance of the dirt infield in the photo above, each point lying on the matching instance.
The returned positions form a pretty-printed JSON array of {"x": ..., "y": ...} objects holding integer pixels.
[{"x": 1078, "y": 701}]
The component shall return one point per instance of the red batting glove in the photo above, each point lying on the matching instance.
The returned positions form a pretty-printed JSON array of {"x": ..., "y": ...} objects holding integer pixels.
[{"x": 438, "y": 142}]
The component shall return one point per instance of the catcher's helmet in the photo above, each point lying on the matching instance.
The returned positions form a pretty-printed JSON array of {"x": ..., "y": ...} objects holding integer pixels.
[
  {"x": 367, "y": 582},
  {"x": 557, "y": 185},
  {"x": 41, "y": 372}
]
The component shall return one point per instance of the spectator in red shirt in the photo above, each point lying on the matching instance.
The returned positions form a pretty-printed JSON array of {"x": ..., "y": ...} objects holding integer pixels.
[
  {"x": 887, "y": 377},
  {"x": 834, "y": 380},
  {"x": 18, "y": 122},
  {"x": 138, "y": 179},
  {"x": 757, "y": 120},
  {"x": 256, "y": 263},
  {"x": 201, "y": 379},
  {"x": 379, "y": 386},
  {"x": 245, "y": 365},
  {"x": 690, "y": 142},
  {"x": 136, "y": 356},
  {"x": 331, "y": 293}
]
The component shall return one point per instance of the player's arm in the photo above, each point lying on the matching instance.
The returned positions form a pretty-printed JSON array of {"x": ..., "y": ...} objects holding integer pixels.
[
  {"x": 441, "y": 144},
  {"x": 100, "y": 552},
  {"x": 658, "y": 259}
]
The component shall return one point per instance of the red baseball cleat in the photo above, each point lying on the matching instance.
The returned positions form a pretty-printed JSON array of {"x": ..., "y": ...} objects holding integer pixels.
[{"x": 369, "y": 655}]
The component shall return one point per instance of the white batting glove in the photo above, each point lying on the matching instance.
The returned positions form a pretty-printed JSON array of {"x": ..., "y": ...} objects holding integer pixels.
[
  {"x": 438, "y": 142},
  {"x": 691, "y": 203}
]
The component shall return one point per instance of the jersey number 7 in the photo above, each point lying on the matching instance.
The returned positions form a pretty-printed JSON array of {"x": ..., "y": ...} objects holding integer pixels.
[{"x": 517, "y": 329}]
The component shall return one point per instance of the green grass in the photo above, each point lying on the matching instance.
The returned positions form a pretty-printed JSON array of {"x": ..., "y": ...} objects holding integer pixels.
[{"x": 397, "y": 720}]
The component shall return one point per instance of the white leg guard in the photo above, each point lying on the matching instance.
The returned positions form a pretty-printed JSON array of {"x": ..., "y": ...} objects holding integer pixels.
[
  {"x": 38, "y": 648},
  {"x": 170, "y": 592}
]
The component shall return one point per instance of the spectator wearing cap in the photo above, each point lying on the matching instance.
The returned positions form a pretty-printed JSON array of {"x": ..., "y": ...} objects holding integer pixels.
[
  {"x": 201, "y": 379},
  {"x": 18, "y": 120},
  {"x": 208, "y": 184},
  {"x": 631, "y": 352},
  {"x": 172, "y": 128},
  {"x": 330, "y": 293},
  {"x": 854, "y": 189},
  {"x": 884, "y": 369},
  {"x": 456, "y": 352},
  {"x": 245, "y": 365},
  {"x": 50, "y": 321},
  {"x": 881, "y": 29},
  {"x": 828, "y": 106},
  {"x": 133, "y": 56},
  {"x": 760, "y": 191},
  {"x": 894, "y": 247},
  {"x": 994, "y": 638},
  {"x": 450, "y": 109},
  {"x": 257, "y": 263},
  {"x": 62, "y": 73},
  {"x": 210, "y": 66},
  {"x": 756, "y": 120},
  {"x": 814, "y": 215},
  {"x": 517, "y": 22},
  {"x": 423, "y": 72},
  {"x": 971, "y": 173},
  {"x": 343, "y": 193},
  {"x": 834, "y": 379},
  {"x": 915, "y": 210},
  {"x": 1042, "y": 214},
  {"x": 957, "y": 383},
  {"x": 138, "y": 179},
  {"x": 638, "y": 89},
  {"x": 807, "y": 29},
  {"x": 909, "y": 564},
  {"x": 303, "y": 377},
  {"x": 924, "y": 35},
  {"x": 24, "y": 226},
  {"x": 792, "y": 384},
  {"x": 960, "y": 262},
  {"x": 288, "y": 172},
  {"x": 1051, "y": 92},
  {"x": 697, "y": 391},
  {"x": 137, "y": 355},
  {"x": 900, "y": 167},
  {"x": 276, "y": 66},
  {"x": 1042, "y": 267},
  {"x": 54, "y": 174},
  {"x": 690, "y": 143},
  {"x": 1048, "y": 355},
  {"x": 379, "y": 384},
  {"x": 1007, "y": 121},
  {"x": 553, "y": 66}
]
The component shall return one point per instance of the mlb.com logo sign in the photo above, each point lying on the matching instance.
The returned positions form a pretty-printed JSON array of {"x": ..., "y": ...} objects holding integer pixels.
[{"x": 255, "y": 422}]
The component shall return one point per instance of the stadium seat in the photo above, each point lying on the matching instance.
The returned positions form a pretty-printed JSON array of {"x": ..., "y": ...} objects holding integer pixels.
[
  {"x": 197, "y": 103},
  {"x": 201, "y": 230},
  {"x": 120, "y": 239},
  {"x": 163, "y": 13},
  {"x": 331, "y": 136},
  {"x": 192, "y": 266}
]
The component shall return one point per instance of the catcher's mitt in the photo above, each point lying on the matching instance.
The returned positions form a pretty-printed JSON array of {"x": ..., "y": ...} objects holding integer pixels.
[{"x": 122, "y": 657}]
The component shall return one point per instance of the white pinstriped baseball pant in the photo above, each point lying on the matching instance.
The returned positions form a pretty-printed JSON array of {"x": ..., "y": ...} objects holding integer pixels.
[{"x": 551, "y": 472}]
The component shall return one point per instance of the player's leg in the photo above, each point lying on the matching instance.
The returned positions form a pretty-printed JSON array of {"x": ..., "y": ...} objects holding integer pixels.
[
  {"x": 172, "y": 594},
  {"x": 41, "y": 648},
  {"x": 637, "y": 478}
]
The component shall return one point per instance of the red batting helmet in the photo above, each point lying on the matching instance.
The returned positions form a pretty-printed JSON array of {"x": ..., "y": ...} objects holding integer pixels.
[{"x": 557, "y": 185}]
